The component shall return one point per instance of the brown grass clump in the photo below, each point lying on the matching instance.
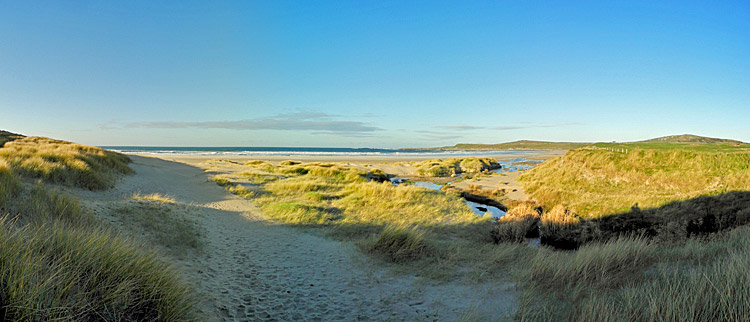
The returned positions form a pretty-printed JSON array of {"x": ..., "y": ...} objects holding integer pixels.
[
  {"x": 519, "y": 223},
  {"x": 557, "y": 219}
]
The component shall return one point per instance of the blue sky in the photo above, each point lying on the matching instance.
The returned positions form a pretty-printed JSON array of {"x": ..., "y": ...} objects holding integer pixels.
[{"x": 373, "y": 74}]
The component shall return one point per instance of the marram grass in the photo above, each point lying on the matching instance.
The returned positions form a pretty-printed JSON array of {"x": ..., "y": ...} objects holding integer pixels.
[
  {"x": 593, "y": 181},
  {"x": 55, "y": 272},
  {"x": 65, "y": 163},
  {"x": 56, "y": 263}
]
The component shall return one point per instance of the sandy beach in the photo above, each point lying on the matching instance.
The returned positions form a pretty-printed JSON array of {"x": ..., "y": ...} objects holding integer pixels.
[{"x": 252, "y": 268}]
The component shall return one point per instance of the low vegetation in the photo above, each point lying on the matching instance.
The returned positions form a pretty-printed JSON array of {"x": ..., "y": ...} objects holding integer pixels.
[
  {"x": 596, "y": 181},
  {"x": 158, "y": 197},
  {"x": 636, "y": 279},
  {"x": 162, "y": 221},
  {"x": 403, "y": 224},
  {"x": 65, "y": 163},
  {"x": 452, "y": 167},
  {"x": 57, "y": 262},
  {"x": 659, "y": 231},
  {"x": 56, "y": 272}
]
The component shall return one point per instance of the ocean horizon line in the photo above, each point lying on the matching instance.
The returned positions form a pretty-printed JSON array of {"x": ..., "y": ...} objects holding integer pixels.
[{"x": 301, "y": 151}]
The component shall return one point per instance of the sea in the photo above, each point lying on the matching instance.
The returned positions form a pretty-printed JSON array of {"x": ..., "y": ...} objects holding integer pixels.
[{"x": 299, "y": 151}]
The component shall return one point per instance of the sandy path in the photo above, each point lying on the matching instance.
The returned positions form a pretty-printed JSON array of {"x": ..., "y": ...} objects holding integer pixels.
[{"x": 252, "y": 269}]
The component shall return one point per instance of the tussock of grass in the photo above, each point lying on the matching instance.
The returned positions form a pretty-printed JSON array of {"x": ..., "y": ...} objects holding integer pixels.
[
  {"x": 6, "y": 136},
  {"x": 222, "y": 181},
  {"x": 61, "y": 273},
  {"x": 519, "y": 223},
  {"x": 288, "y": 163},
  {"x": 399, "y": 244},
  {"x": 158, "y": 197},
  {"x": 63, "y": 162},
  {"x": 241, "y": 191},
  {"x": 448, "y": 167},
  {"x": 8, "y": 184},
  {"x": 44, "y": 205},
  {"x": 256, "y": 178}
]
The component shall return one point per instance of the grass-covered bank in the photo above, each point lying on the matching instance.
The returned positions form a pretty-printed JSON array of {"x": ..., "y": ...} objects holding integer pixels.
[
  {"x": 637, "y": 279},
  {"x": 660, "y": 232},
  {"x": 57, "y": 261},
  {"x": 596, "y": 181}
]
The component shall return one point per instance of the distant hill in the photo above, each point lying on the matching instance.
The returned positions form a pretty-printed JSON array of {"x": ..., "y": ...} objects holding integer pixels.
[
  {"x": 515, "y": 145},
  {"x": 689, "y": 138},
  {"x": 6, "y": 136},
  {"x": 678, "y": 140}
]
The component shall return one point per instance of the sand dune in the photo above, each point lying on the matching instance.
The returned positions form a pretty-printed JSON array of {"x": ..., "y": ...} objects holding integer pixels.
[{"x": 254, "y": 269}]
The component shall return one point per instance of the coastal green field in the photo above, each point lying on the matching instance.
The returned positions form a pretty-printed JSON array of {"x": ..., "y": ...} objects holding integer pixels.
[{"x": 57, "y": 261}]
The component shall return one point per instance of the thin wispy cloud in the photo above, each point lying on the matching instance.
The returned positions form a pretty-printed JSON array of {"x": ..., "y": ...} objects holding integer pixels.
[
  {"x": 319, "y": 123},
  {"x": 517, "y": 126},
  {"x": 460, "y": 127}
]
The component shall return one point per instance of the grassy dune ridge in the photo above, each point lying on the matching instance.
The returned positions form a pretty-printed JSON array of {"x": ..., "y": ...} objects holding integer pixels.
[
  {"x": 63, "y": 162},
  {"x": 596, "y": 181},
  {"x": 678, "y": 255},
  {"x": 58, "y": 262}
]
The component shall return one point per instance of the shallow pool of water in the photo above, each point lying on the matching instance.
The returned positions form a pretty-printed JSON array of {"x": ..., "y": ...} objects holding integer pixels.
[
  {"x": 478, "y": 208},
  {"x": 482, "y": 209},
  {"x": 428, "y": 185},
  {"x": 512, "y": 165}
]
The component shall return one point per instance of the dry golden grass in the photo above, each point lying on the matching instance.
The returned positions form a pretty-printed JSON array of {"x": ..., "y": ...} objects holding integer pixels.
[
  {"x": 63, "y": 162},
  {"x": 448, "y": 167},
  {"x": 56, "y": 261},
  {"x": 53, "y": 272},
  {"x": 592, "y": 181},
  {"x": 158, "y": 197}
]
